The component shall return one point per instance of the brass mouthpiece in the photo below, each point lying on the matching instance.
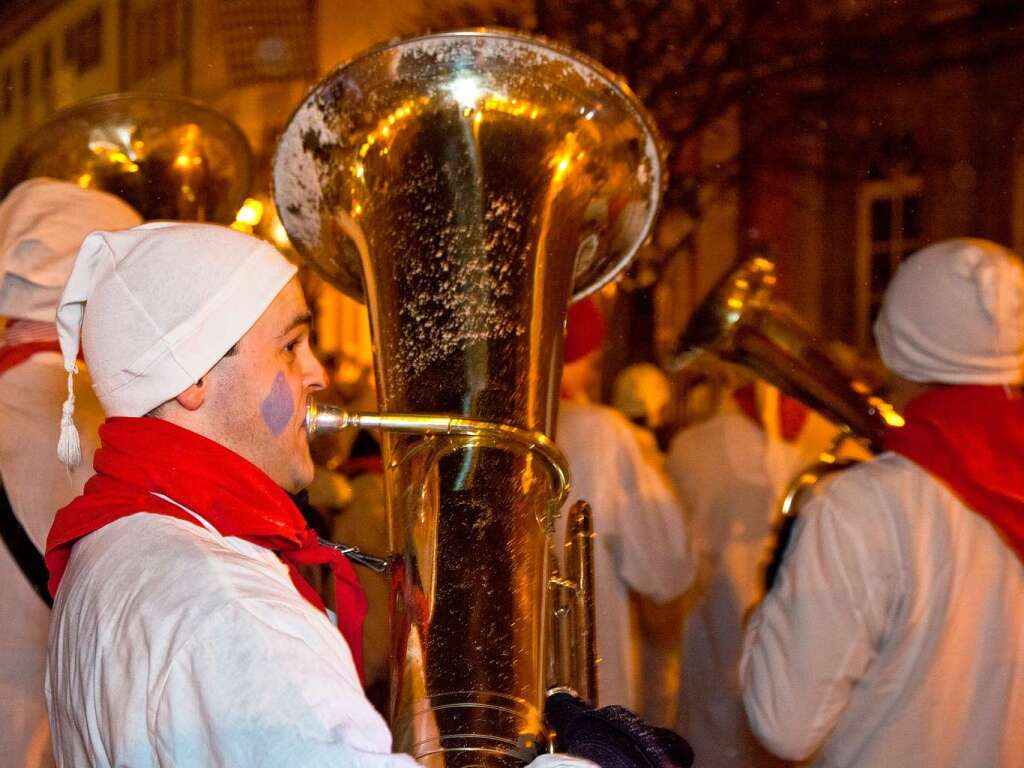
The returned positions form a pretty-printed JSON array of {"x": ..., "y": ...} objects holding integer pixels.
[{"x": 322, "y": 419}]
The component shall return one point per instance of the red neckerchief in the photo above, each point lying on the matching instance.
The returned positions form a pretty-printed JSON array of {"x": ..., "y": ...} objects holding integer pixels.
[
  {"x": 21, "y": 339},
  {"x": 792, "y": 413},
  {"x": 972, "y": 439},
  {"x": 142, "y": 456},
  {"x": 10, "y": 356}
]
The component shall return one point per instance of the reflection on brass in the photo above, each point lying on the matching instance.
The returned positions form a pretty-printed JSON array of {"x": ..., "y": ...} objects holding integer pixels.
[
  {"x": 466, "y": 185},
  {"x": 169, "y": 157}
]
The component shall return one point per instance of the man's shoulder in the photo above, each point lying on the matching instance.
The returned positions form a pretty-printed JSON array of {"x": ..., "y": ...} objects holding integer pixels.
[
  {"x": 887, "y": 472},
  {"x": 154, "y": 562},
  {"x": 590, "y": 420}
]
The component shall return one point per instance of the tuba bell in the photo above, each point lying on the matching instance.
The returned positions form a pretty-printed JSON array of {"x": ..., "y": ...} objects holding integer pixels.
[
  {"x": 167, "y": 156},
  {"x": 740, "y": 322},
  {"x": 467, "y": 186}
]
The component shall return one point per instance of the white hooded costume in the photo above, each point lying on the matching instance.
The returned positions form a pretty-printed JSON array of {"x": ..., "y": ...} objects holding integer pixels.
[
  {"x": 895, "y": 633},
  {"x": 42, "y": 224}
]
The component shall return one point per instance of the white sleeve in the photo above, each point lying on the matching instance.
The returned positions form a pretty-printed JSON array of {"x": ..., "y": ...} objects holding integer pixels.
[
  {"x": 816, "y": 632},
  {"x": 656, "y": 557},
  {"x": 263, "y": 685}
]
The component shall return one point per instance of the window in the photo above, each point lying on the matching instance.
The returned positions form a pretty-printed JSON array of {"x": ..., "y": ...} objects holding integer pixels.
[
  {"x": 888, "y": 230},
  {"x": 267, "y": 39},
  {"x": 83, "y": 42},
  {"x": 153, "y": 35},
  {"x": 889, "y": 225}
]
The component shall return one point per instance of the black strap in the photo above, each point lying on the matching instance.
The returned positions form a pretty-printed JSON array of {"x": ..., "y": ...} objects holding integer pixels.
[{"x": 29, "y": 559}]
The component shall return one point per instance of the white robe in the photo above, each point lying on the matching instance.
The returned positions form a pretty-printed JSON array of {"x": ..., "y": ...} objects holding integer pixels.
[
  {"x": 641, "y": 542},
  {"x": 895, "y": 634},
  {"x": 173, "y": 645},
  {"x": 721, "y": 469},
  {"x": 37, "y": 485}
]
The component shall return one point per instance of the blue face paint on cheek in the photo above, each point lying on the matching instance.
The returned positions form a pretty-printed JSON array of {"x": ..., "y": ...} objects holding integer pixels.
[{"x": 278, "y": 407}]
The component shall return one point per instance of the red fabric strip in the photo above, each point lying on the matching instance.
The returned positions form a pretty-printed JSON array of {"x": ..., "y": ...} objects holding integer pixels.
[
  {"x": 972, "y": 439},
  {"x": 11, "y": 356},
  {"x": 792, "y": 413}
]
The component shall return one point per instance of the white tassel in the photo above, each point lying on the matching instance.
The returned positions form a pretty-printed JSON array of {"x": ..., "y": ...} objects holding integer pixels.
[{"x": 69, "y": 446}]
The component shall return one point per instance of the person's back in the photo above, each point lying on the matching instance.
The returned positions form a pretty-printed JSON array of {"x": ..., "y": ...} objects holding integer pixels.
[
  {"x": 894, "y": 634},
  {"x": 641, "y": 541},
  {"x": 922, "y": 606},
  {"x": 42, "y": 222},
  {"x": 730, "y": 472}
]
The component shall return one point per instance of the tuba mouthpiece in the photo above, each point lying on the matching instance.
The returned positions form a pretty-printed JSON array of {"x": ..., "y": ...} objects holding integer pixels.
[{"x": 322, "y": 419}]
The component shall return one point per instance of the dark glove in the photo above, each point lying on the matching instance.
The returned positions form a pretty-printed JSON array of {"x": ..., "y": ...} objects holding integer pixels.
[{"x": 613, "y": 737}]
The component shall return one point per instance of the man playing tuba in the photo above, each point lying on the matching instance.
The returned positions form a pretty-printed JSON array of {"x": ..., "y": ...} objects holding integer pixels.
[{"x": 182, "y": 633}]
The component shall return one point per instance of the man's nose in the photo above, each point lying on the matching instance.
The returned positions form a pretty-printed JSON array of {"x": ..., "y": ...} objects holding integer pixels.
[{"x": 316, "y": 377}]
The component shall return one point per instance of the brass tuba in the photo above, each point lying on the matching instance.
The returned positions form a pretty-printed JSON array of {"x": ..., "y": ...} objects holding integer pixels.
[
  {"x": 740, "y": 322},
  {"x": 167, "y": 156},
  {"x": 467, "y": 185}
]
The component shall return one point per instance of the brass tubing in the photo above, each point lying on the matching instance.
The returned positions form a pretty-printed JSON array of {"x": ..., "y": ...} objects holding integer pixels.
[
  {"x": 574, "y": 639},
  {"x": 579, "y": 568},
  {"x": 321, "y": 419}
]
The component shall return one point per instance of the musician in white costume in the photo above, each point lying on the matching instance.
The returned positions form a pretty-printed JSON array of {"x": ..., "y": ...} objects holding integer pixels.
[
  {"x": 182, "y": 632},
  {"x": 732, "y": 470},
  {"x": 42, "y": 224},
  {"x": 641, "y": 540},
  {"x": 895, "y": 632}
]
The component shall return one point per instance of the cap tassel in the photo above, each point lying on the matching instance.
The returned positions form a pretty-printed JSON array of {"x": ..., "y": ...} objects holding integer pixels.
[{"x": 69, "y": 446}]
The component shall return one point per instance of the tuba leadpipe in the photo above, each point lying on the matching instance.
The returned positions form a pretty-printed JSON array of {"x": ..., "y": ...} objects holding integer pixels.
[{"x": 466, "y": 186}]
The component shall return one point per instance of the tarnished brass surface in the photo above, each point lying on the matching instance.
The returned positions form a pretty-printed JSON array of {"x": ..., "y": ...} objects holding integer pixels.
[
  {"x": 169, "y": 157},
  {"x": 467, "y": 185}
]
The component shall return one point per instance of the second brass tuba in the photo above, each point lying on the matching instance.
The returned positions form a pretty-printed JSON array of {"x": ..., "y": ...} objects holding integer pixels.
[
  {"x": 169, "y": 157},
  {"x": 741, "y": 322},
  {"x": 466, "y": 186}
]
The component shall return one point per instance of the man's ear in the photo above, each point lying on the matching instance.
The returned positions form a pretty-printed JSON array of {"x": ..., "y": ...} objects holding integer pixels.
[{"x": 194, "y": 396}]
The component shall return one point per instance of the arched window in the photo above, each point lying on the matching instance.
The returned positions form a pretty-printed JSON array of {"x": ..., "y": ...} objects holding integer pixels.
[{"x": 888, "y": 226}]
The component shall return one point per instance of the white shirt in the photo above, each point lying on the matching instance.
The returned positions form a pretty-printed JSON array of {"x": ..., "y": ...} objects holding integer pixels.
[
  {"x": 37, "y": 485},
  {"x": 641, "y": 541},
  {"x": 721, "y": 469},
  {"x": 173, "y": 645},
  {"x": 895, "y": 634}
]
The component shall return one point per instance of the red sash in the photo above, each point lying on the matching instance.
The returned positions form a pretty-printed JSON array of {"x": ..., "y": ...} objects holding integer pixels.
[
  {"x": 792, "y": 413},
  {"x": 139, "y": 457},
  {"x": 972, "y": 439},
  {"x": 19, "y": 353}
]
